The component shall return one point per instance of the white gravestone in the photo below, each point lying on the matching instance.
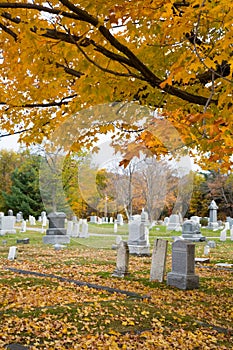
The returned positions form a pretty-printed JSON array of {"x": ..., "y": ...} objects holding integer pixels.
[
  {"x": 174, "y": 223},
  {"x": 70, "y": 227},
  {"x": 12, "y": 253},
  {"x": 231, "y": 233},
  {"x": 120, "y": 219},
  {"x": 23, "y": 226},
  {"x": 115, "y": 226},
  {"x": 138, "y": 240},
  {"x": 223, "y": 235},
  {"x": 158, "y": 264},
  {"x": 84, "y": 232},
  {"x": 75, "y": 232},
  {"x": 7, "y": 225}
]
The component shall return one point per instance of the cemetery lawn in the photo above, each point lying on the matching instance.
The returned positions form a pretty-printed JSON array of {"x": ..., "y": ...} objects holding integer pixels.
[{"x": 43, "y": 305}]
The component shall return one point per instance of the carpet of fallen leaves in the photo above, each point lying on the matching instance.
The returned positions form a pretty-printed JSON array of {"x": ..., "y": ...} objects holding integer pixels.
[{"x": 45, "y": 312}]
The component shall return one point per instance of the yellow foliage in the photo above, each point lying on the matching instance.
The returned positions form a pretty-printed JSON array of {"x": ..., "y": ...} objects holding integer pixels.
[{"x": 60, "y": 58}]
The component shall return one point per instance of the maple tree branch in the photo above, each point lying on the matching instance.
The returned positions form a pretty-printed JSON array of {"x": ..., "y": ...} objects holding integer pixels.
[
  {"x": 40, "y": 8},
  {"x": 9, "y": 31},
  {"x": 63, "y": 101}
]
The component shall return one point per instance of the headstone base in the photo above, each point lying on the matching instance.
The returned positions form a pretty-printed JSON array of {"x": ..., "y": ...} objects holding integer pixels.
[
  {"x": 56, "y": 239},
  {"x": 3, "y": 232},
  {"x": 120, "y": 273},
  {"x": 182, "y": 281},
  {"x": 193, "y": 237},
  {"x": 56, "y": 231},
  {"x": 139, "y": 250}
]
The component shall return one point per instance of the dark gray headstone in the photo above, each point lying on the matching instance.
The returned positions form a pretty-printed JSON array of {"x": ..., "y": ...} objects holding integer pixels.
[{"x": 183, "y": 275}]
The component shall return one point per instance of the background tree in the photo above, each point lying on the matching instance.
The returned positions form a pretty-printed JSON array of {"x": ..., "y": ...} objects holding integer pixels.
[
  {"x": 9, "y": 160},
  {"x": 25, "y": 193},
  {"x": 174, "y": 57}
]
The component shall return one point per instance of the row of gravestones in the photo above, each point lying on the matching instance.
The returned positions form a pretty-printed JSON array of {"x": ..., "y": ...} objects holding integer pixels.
[{"x": 182, "y": 275}]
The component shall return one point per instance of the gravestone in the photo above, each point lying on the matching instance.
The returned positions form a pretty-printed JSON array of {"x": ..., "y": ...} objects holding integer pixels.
[
  {"x": 195, "y": 218},
  {"x": 211, "y": 244},
  {"x": 10, "y": 212},
  {"x": 32, "y": 220},
  {"x": 213, "y": 222},
  {"x": 70, "y": 225},
  {"x": 227, "y": 226},
  {"x": 122, "y": 263},
  {"x": 166, "y": 221},
  {"x": 138, "y": 240},
  {"x": 111, "y": 220},
  {"x": 93, "y": 219},
  {"x": 75, "y": 232},
  {"x": 231, "y": 234},
  {"x": 120, "y": 220},
  {"x": 23, "y": 226},
  {"x": 144, "y": 217},
  {"x": 158, "y": 264},
  {"x": 19, "y": 216},
  {"x": 174, "y": 223},
  {"x": 206, "y": 249},
  {"x": 7, "y": 224},
  {"x": 84, "y": 232},
  {"x": 56, "y": 233},
  {"x": 115, "y": 226},
  {"x": 191, "y": 231},
  {"x": 183, "y": 275},
  {"x": 223, "y": 235},
  {"x": 230, "y": 220},
  {"x": 12, "y": 253}
]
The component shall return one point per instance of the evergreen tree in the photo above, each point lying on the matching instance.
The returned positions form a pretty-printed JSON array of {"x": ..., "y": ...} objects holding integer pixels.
[{"x": 25, "y": 192}]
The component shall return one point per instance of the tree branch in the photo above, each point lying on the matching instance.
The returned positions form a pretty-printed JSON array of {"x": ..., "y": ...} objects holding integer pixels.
[{"x": 9, "y": 31}]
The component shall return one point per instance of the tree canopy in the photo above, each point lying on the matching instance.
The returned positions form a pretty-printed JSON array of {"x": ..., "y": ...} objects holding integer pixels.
[{"x": 174, "y": 57}]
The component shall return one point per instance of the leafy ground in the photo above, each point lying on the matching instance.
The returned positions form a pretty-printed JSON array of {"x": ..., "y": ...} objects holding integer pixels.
[{"x": 51, "y": 310}]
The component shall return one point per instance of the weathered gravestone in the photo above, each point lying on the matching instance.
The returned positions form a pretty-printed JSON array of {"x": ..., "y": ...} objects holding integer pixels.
[
  {"x": 120, "y": 220},
  {"x": 122, "y": 263},
  {"x": 223, "y": 235},
  {"x": 10, "y": 212},
  {"x": 138, "y": 240},
  {"x": 183, "y": 275},
  {"x": 75, "y": 232},
  {"x": 84, "y": 232},
  {"x": 191, "y": 231},
  {"x": 158, "y": 264},
  {"x": 56, "y": 233},
  {"x": 174, "y": 223},
  {"x": 70, "y": 225}
]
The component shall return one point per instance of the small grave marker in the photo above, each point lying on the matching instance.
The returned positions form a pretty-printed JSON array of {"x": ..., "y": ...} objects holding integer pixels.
[{"x": 12, "y": 253}]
